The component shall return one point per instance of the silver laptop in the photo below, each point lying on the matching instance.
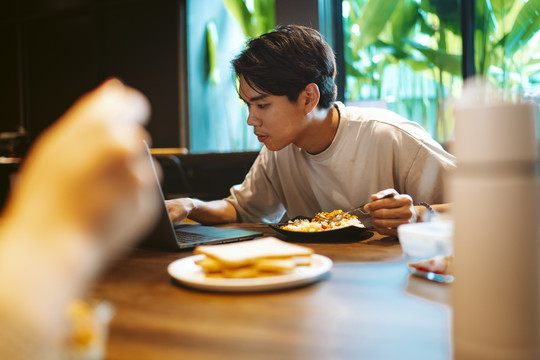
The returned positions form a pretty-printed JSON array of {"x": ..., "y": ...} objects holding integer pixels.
[{"x": 187, "y": 236}]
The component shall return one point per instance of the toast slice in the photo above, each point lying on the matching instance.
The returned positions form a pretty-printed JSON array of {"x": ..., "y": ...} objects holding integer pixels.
[
  {"x": 248, "y": 252},
  {"x": 262, "y": 257}
]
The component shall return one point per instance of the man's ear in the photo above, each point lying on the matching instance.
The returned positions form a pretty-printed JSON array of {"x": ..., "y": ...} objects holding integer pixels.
[{"x": 311, "y": 96}]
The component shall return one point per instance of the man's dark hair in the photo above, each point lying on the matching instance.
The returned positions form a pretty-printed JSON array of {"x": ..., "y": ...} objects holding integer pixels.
[{"x": 284, "y": 61}]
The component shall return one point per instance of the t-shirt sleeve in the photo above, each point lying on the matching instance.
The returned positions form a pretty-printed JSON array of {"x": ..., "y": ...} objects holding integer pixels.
[
  {"x": 257, "y": 198},
  {"x": 427, "y": 177}
]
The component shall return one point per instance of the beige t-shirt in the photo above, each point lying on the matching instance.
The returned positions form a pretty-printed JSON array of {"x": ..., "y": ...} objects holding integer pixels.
[{"x": 374, "y": 149}]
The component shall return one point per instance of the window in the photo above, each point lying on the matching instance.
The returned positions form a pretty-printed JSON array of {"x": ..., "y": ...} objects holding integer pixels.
[
  {"x": 217, "y": 31},
  {"x": 407, "y": 54},
  {"x": 507, "y": 45}
]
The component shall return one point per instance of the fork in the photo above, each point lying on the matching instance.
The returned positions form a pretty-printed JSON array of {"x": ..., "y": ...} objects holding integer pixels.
[{"x": 340, "y": 217}]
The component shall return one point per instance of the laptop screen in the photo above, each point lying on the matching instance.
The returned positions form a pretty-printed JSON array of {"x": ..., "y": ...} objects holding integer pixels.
[{"x": 186, "y": 236}]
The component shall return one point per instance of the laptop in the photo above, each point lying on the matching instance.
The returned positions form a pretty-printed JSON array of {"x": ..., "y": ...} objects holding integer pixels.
[{"x": 188, "y": 235}]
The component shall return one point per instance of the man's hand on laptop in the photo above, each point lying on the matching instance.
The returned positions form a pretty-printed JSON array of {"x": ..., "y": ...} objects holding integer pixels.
[
  {"x": 205, "y": 212},
  {"x": 179, "y": 209}
]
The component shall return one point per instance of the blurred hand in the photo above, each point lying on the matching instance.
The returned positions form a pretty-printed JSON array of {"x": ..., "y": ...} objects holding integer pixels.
[
  {"x": 85, "y": 190},
  {"x": 387, "y": 213},
  {"x": 88, "y": 174}
]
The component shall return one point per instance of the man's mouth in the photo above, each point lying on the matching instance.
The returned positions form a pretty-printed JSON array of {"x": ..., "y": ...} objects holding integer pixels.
[{"x": 261, "y": 138}]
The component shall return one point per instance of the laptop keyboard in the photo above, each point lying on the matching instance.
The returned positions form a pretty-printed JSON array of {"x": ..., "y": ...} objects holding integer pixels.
[{"x": 187, "y": 237}]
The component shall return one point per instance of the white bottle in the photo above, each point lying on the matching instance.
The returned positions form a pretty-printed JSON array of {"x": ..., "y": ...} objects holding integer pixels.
[{"x": 495, "y": 194}]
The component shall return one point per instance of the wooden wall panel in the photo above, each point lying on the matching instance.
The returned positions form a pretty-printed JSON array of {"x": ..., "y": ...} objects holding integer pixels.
[{"x": 65, "y": 48}]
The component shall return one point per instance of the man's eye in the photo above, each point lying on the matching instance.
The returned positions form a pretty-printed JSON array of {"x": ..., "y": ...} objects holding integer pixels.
[{"x": 262, "y": 106}]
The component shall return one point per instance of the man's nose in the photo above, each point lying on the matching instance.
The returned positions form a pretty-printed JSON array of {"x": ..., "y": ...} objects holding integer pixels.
[{"x": 252, "y": 120}]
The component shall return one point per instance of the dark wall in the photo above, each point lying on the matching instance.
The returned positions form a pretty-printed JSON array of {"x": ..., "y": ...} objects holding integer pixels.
[
  {"x": 298, "y": 12},
  {"x": 207, "y": 176},
  {"x": 9, "y": 86},
  {"x": 53, "y": 51}
]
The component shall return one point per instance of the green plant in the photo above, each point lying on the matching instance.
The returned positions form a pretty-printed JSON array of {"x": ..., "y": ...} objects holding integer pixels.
[
  {"x": 404, "y": 34},
  {"x": 253, "y": 21},
  {"x": 506, "y": 40},
  {"x": 423, "y": 38},
  {"x": 212, "y": 41}
]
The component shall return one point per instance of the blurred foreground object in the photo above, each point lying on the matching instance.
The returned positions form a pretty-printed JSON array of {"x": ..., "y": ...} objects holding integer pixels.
[
  {"x": 428, "y": 249},
  {"x": 85, "y": 191},
  {"x": 495, "y": 191},
  {"x": 88, "y": 329}
]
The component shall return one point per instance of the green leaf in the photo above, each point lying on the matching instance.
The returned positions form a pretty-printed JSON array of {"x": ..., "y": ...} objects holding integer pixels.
[
  {"x": 418, "y": 65},
  {"x": 500, "y": 8},
  {"x": 212, "y": 52},
  {"x": 263, "y": 18},
  {"x": 444, "y": 61},
  {"x": 485, "y": 14},
  {"x": 350, "y": 70},
  {"x": 531, "y": 68},
  {"x": 403, "y": 20},
  {"x": 375, "y": 16},
  {"x": 425, "y": 27},
  {"x": 391, "y": 49},
  {"x": 527, "y": 23},
  {"x": 265, "y": 15},
  {"x": 447, "y": 11},
  {"x": 239, "y": 10}
]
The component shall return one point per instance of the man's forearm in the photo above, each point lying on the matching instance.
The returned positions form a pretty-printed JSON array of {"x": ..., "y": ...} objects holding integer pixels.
[{"x": 212, "y": 212}]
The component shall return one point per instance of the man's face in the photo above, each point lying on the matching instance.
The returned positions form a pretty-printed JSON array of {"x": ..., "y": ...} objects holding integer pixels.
[{"x": 276, "y": 121}]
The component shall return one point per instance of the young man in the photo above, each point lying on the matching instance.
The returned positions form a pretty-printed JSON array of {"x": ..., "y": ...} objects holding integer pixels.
[{"x": 318, "y": 154}]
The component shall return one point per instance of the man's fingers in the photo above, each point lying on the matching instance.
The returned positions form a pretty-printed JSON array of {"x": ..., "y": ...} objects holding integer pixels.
[
  {"x": 394, "y": 202},
  {"x": 389, "y": 223},
  {"x": 387, "y": 193}
]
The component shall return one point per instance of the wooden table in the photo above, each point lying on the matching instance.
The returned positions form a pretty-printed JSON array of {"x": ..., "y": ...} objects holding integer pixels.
[{"x": 367, "y": 308}]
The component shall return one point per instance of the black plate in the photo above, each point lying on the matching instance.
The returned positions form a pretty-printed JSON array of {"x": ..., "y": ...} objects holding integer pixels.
[{"x": 345, "y": 234}]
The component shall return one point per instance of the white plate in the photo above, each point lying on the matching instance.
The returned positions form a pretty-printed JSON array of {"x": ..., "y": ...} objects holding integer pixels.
[{"x": 190, "y": 274}]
